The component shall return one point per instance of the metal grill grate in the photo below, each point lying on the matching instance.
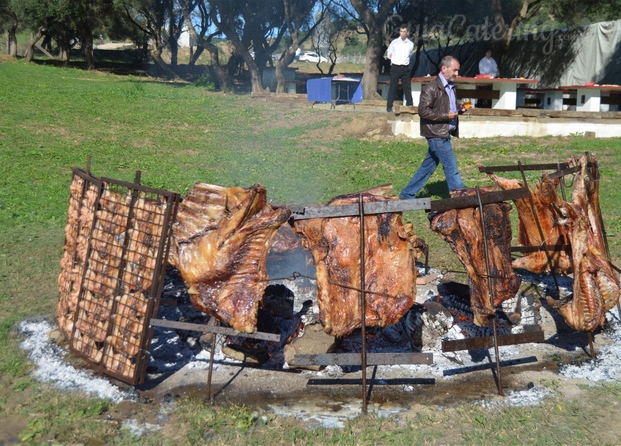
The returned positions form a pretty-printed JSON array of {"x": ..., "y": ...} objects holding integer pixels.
[{"x": 113, "y": 271}]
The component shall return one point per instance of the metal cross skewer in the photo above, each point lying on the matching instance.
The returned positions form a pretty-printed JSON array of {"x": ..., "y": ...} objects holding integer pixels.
[{"x": 491, "y": 294}]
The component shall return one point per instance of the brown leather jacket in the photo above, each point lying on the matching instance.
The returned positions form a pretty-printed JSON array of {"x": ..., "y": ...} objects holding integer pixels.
[{"x": 433, "y": 110}]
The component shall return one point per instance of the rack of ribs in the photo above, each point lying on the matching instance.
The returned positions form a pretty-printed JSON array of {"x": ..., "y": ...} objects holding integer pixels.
[
  {"x": 221, "y": 238},
  {"x": 596, "y": 286},
  {"x": 389, "y": 259},
  {"x": 463, "y": 230},
  {"x": 544, "y": 197}
]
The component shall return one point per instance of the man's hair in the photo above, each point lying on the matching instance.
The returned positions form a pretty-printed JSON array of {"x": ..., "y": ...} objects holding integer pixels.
[
  {"x": 447, "y": 60},
  {"x": 404, "y": 26}
]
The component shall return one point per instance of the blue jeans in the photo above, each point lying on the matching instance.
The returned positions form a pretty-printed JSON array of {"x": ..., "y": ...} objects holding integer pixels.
[{"x": 440, "y": 151}]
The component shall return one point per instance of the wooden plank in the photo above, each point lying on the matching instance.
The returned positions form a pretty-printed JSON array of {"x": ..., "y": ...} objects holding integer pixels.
[
  {"x": 351, "y": 210},
  {"x": 488, "y": 341},
  {"x": 355, "y": 359},
  {"x": 44, "y": 51},
  {"x": 477, "y": 94},
  {"x": 470, "y": 201},
  {"x": 204, "y": 328},
  {"x": 611, "y": 100}
]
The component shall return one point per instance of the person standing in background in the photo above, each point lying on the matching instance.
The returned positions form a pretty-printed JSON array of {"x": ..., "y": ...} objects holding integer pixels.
[
  {"x": 399, "y": 53},
  {"x": 488, "y": 65},
  {"x": 439, "y": 122}
]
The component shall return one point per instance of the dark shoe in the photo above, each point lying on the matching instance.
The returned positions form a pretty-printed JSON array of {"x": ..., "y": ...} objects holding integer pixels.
[{"x": 389, "y": 110}]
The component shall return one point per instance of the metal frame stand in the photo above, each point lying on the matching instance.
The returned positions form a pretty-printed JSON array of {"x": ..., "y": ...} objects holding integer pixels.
[{"x": 495, "y": 341}]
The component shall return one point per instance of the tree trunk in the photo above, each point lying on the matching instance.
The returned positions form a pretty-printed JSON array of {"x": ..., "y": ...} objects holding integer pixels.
[
  {"x": 374, "y": 22},
  {"x": 286, "y": 59},
  {"x": 11, "y": 34},
  {"x": 195, "y": 55},
  {"x": 371, "y": 69},
  {"x": 34, "y": 38},
  {"x": 157, "y": 58},
  {"x": 88, "y": 52},
  {"x": 255, "y": 79},
  {"x": 226, "y": 83},
  {"x": 174, "y": 51}
]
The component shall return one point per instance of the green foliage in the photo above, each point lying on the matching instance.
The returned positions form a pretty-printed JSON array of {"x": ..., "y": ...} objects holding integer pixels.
[
  {"x": 66, "y": 418},
  {"x": 208, "y": 82}
]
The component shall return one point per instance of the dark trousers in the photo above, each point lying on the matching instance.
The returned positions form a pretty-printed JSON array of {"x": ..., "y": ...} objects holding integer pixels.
[{"x": 400, "y": 72}]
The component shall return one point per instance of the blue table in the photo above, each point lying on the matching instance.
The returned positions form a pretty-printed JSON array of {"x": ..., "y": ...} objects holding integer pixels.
[{"x": 344, "y": 90}]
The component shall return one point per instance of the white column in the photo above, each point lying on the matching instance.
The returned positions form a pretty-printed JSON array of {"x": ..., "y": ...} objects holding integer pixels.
[
  {"x": 588, "y": 99},
  {"x": 508, "y": 96},
  {"x": 416, "y": 90},
  {"x": 553, "y": 100}
]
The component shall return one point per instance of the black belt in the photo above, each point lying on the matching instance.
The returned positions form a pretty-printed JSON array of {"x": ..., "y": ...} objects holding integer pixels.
[{"x": 395, "y": 65}]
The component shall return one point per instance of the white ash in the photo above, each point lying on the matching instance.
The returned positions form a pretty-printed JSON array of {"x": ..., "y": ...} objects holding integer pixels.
[
  {"x": 531, "y": 397},
  {"x": 607, "y": 365},
  {"x": 138, "y": 430},
  {"x": 52, "y": 368}
]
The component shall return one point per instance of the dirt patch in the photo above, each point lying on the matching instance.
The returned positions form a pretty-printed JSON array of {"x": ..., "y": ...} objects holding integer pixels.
[{"x": 357, "y": 125}]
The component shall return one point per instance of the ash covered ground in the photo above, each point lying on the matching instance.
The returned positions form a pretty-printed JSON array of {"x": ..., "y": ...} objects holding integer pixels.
[{"x": 179, "y": 363}]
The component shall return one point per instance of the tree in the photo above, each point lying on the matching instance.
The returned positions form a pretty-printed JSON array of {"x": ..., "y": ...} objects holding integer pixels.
[
  {"x": 251, "y": 25},
  {"x": 297, "y": 19},
  {"x": 10, "y": 22},
  {"x": 86, "y": 17},
  {"x": 509, "y": 14},
  {"x": 151, "y": 16},
  {"x": 198, "y": 26},
  {"x": 38, "y": 16},
  {"x": 373, "y": 14}
]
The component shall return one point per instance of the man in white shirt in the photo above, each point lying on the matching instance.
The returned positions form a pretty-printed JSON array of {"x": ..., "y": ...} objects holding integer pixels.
[
  {"x": 399, "y": 53},
  {"x": 488, "y": 65}
]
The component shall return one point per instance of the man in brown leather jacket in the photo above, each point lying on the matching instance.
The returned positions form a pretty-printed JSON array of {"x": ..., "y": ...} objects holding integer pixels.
[{"x": 439, "y": 122}]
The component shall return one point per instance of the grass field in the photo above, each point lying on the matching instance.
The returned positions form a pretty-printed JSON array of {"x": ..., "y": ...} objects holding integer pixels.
[{"x": 52, "y": 119}]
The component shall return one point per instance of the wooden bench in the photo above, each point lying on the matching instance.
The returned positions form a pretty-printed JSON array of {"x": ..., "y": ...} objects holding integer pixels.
[{"x": 477, "y": 94}]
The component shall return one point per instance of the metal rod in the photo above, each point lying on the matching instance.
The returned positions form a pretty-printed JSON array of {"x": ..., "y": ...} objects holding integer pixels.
[
  {"x": 497, "y": 354},
  {"x": 372, "y": 358},
  {"x": 562, "y": 182},
  {"x": 543, "y": 240},
  {"x": 363, "y": 353},
  {"x": 213, "y": 329},
  {"x": 389, "y": 296},
  {"x": 491, "y": 292},
  {"x": 591, "y": 347},
  {"x": 211, "y": 355},
  {"x": 595, "y": 175}
]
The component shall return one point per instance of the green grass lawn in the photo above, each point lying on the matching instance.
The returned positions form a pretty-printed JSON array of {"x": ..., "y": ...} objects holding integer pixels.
[{"x": 52, "y": 119}]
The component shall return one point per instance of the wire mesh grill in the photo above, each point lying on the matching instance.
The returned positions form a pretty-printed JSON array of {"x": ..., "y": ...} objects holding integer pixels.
[{"x": 113, "y": 271}]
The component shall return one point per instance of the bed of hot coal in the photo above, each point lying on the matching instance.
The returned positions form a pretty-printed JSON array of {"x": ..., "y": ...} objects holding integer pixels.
[{"x": 444, "y": 313}]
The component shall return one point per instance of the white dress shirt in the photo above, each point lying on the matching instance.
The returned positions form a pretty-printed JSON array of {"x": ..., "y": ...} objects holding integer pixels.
[
  {"x": 488, "y": 66},
  {"x": 399, "y": 51}
]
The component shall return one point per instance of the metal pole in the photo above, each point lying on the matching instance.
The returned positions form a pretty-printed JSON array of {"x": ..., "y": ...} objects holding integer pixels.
[
  {"x": 595, "y": 175},
  {"x": 591, "y": 347},
  {"x": 562, "y": 182},
  {"x": 214, "y": 340},
  {"x": 363, "y": 330},
  {"x": 491, "y": 294}
]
